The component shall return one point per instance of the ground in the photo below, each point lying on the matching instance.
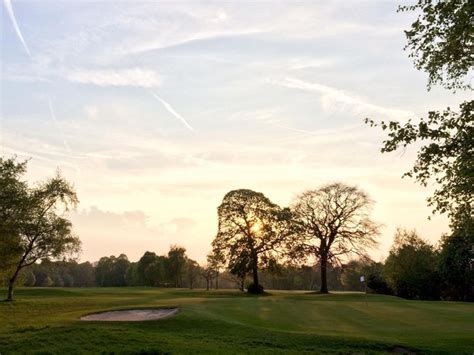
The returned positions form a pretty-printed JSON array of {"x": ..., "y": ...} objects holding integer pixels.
[{"x": 47, "y": 321}]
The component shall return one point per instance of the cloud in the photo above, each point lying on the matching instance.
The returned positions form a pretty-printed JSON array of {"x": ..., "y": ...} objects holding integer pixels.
[
  {"x": 58, "y": 127},
  {"x": 129, "y": 231},
  {"x": 171, "y": 110},
  {"x": 11, "y": 14},
  {"x": 124, "y": 77},
  {"x": 340, "y": 100}
]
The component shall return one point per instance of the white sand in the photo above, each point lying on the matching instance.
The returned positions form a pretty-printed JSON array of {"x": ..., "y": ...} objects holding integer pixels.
[{"x": 131, "y": 315}]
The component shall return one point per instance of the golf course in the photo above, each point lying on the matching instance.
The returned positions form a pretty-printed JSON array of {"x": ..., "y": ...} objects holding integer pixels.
[{"x": 48, "y": 320}]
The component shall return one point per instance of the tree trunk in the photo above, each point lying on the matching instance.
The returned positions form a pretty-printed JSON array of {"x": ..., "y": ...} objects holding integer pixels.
[
  {"x": 11, "y": 284},
  {"x": 207, "y": 283},
  {"x": 217, "y": 280},
  {"x": 255, "y": 274},
  {"x": 324, "y": 281},
  {"x": 242, "y": 284}
]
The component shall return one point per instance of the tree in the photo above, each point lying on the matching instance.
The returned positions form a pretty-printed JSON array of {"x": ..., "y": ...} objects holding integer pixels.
[
  {"x": 35, "y": 217},
  {"x": 192, "y": 269},
  {"x": 411, "y": 267},
  {"x": 141, "y": 269},
  {"x": 251, "y": 231},
  {"x": 455, "y": 266},
  {"x": 448, "y": 157},
  {"x": 440, "y": 42},
  {"x": 332, "y": 221},
  {"x": 176, "y": 264},
  {"x": 216, "y": 261}
]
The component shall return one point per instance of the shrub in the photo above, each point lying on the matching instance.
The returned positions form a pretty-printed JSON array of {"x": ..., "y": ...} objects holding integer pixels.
[{"x": 254, "y": 289}]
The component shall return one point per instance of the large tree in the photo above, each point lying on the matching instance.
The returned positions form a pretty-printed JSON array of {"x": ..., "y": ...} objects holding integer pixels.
[
  {"x": 251, "y": 232},
  {"x": 35, "y": 218},
  {"x": 332, "y": 221},
  {"x": 440, "y": 42}
]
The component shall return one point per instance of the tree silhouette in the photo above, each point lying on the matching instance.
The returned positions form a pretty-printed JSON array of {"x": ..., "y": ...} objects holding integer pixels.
[
  {"x": 251, "y": 231},
  {"x": 331, "y": 221}
]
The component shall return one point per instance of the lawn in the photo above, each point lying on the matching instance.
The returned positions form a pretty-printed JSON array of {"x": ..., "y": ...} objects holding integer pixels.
[{"x": 47, "y": 321}]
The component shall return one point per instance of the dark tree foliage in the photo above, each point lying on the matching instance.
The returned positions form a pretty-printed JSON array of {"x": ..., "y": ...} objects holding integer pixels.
[
  {"x": 411, "y": 267},
  {"x": 456, "y": 267},
  {"x": 375, "y": 280},
  {"x": 176, "y": 264},
  {"x": 440, "y": 41},
  {"x": 112, "y": 271},
  {"x": 447, "y": 156}
]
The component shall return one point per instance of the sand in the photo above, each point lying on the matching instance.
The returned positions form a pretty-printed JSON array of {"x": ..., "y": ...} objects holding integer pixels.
[{"x": 131, "y": 315}]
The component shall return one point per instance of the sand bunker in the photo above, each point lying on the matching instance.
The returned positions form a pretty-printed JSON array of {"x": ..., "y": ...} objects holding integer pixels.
[{"x": 132, "y": 315}]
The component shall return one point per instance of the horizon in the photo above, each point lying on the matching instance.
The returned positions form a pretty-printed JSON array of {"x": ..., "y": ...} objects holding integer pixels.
[{"x": 156, "y": 111}]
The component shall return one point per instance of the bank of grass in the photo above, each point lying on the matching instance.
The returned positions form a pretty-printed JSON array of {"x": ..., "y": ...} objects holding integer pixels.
[{"x": 47, "y": 321}]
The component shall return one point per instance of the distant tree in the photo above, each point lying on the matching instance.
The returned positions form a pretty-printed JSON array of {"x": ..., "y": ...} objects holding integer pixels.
[
  {"x": 29, "y": 278},
  {"x": 83, "y": 274},
  {"x": 333, "y": 220},
  {"x": 145, "y": 261},
  {"x": 251, "y": 231},
  {"x": 216, "y": 261},
  {"x": 207, "y": 272},
  {"x": 120, "y": 269},
  {"x": 192, "y": 271},
  {"x": 112, "y": 271},
  {"x": 155, "y": 272},
  {"x": 103, "y": 270},
  {"x": 176, "y": 264},
  {"x": 411, "y": 267},
  {"x": 34, "y": 217},
  {"x": 456, "y": 266}
]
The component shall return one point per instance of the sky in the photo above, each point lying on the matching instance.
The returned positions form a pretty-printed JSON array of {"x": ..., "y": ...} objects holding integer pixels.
[{"x": 155, "y": 110}]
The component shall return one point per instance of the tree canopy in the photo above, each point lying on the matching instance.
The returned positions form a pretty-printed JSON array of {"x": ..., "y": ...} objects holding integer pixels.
[
  {"x": 33, "y": 218},
  {"x": 251, "y": 230},
  {"x": 332, "y": 221},
  {"x": 440, "y": 42}
]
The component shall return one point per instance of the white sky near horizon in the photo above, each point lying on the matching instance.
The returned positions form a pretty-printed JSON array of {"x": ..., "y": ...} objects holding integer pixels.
[{"x": 155, "y": 110}]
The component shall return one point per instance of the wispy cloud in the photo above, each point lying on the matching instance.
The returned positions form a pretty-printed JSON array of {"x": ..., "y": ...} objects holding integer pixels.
[
  {"x": 125, "y": 77},
  {"x": 58, "y": 127},
  {"x": 171, "y": 110},
  {"x": 332, "y": 98},
  {"x": 11, "y": 14}
]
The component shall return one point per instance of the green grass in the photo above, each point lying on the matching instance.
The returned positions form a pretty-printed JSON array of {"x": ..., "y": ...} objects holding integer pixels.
[{"x": 225, "y": 322}]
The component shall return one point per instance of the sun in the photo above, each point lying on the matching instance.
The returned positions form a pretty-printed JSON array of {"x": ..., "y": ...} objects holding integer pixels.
[{"x": 256, "y": 228}]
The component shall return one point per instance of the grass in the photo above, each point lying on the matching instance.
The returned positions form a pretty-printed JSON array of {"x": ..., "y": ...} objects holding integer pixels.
[{"x": 46, "y": 320}]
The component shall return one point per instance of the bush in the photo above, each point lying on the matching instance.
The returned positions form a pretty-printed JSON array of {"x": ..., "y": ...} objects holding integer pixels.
[
  {"x": 377, "y": 284},
  {"x": 254, "y": 289},
  {"x": 411, "y": 268}
]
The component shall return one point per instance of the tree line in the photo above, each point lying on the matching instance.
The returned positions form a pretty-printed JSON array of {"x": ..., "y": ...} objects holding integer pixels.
[{"x": 414, "y": 269}]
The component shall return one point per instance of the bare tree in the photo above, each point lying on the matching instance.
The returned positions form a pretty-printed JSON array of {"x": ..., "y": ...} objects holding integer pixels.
[{"x": 332, "y": 221}]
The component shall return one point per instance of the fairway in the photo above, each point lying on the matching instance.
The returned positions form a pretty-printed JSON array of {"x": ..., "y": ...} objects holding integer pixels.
[{"x": 46, "y": 320}]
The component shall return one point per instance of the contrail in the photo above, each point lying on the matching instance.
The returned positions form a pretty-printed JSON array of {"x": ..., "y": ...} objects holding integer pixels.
[
  {"x": 173, "y": 112},
  {"x": 11, "y": 14},
  {"x": 53, "y": 116}
]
